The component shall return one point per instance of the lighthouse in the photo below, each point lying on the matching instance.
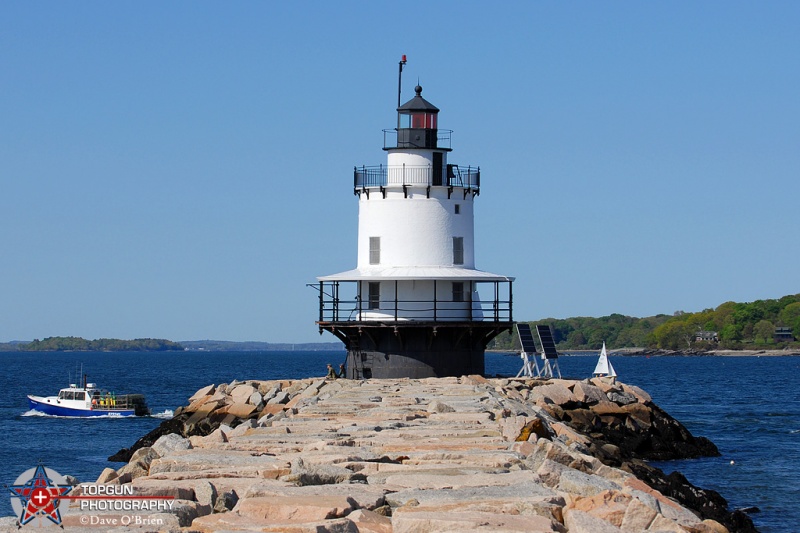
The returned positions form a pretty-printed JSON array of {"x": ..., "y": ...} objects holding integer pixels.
[{"x": 415, "y": 305}]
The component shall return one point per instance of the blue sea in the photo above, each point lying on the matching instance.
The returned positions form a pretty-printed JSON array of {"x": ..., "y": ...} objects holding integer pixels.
[{"x": 748, "y": 406}]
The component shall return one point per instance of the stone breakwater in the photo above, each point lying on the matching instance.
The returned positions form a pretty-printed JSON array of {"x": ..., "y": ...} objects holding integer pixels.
[{"x": 439, "y": 454}]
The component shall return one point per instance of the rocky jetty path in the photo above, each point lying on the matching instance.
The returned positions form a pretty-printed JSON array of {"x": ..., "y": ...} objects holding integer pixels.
[{"x": 402, "y": 456}]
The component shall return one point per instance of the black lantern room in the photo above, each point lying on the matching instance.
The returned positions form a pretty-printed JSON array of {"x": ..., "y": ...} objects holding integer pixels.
[{"x": 417, "y": 123}]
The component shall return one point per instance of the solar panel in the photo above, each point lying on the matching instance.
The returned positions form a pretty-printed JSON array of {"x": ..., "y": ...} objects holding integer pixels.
[
  {"x": 547, "y": 341},
  {"x": 526, "y": 338}
]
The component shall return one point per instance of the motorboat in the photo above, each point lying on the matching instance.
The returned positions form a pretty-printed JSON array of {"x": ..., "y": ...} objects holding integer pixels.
[{"x": 88, "y": 400}]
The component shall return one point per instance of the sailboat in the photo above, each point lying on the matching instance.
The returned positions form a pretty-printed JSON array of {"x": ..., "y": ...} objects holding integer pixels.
[{"x": 604, "y": 369}]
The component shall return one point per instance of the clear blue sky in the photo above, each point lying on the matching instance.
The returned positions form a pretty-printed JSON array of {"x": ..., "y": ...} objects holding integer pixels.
[{"x": 183, "y": 169}]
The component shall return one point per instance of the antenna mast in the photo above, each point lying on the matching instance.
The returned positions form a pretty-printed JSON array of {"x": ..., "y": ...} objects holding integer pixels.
[{"x": 400, "y": 86}]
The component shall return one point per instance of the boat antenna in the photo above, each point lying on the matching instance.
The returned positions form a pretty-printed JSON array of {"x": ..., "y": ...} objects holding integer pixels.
[{"x": 400, "y": 86}]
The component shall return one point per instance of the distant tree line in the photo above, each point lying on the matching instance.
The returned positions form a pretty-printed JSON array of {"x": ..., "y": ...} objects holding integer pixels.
[
  {"x": 78, "y": 344},
  {"x": 250, "y": 346},
  {"x": 737, "y": 325}
]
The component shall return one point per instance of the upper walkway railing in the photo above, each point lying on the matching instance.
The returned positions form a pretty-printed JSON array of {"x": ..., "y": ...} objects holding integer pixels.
[
  {"x": 468, "y": 177},
  {"x": 337, "y": 304},
  {"x": 443, "y": 139}
]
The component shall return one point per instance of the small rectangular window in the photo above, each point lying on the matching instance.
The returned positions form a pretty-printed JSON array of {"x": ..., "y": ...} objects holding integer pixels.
[
  {"x": 374, "y": 301},
  {"x": 458, "y": 291},
  {"x": 374, "y": 250},
  {"x": 458, "y": 250},
  {"x": 458, "y": 209}
]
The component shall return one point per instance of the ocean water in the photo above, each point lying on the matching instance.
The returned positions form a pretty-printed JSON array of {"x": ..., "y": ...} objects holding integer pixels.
[{"x": 748, "y": 406}]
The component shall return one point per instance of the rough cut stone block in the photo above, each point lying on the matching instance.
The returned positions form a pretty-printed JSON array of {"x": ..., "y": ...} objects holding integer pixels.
[
  {"x": 640, "y": 412},
  {"x": 202, "y": 412},
  {"x": 370, "y": 522},
  {"x": 159, "y": 487},
  {"x": 580, "y": 483},
  {"x": 106, "y": 476},
  {"x": 524, "y": 448},
  {"x": 475, "y": 379},
  {"x": 439, "y": 407},
  {"x": 241, "y": 393},
  {"x": 241, "y": 410},
  {"x": 638, "y": 516},
  {"x": 205, "y": 493},
  {"x": 555, "y": 393},
  {"x": 605, "y": 384},
  {"x": 197, "y": 403},
  {"x": 409, "y": 520},
  {"x": 582, "y": 522},
  {"x": 205, "y": 391},
  {"x": 606, "y": 408},
  {"x": 608, "y": 505},
  {"x": 568, "y": 434},
  {"x": 242, "y": 428},
  {"x": 587, "y": 393},
  {"x": 621, "y": 398},
  {"x": 296, "y": 508},
  {"x": 255, "y": 398},
  {"x": 640, "y": 394},
  {"x": 279, "y": 398},
  {"x": 664, "y": 524},
  {"x": 169, "y": 443}
]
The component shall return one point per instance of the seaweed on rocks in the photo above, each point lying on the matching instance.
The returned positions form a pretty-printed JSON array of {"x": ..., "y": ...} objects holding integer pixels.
[
  {"x": 173, "y": 425},
  {"x": 629, "y": 433},
  {"x": 177, "y": 424},
  {"x": 709, "y": 503}
]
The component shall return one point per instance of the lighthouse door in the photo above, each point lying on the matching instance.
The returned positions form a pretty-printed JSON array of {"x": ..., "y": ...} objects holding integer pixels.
[{"x": 437, "y": 169}]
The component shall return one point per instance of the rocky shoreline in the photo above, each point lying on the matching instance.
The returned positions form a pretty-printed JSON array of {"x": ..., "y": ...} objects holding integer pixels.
[
  {"x": 402, "y": 455},
  {"x": 655, "y": 352}
]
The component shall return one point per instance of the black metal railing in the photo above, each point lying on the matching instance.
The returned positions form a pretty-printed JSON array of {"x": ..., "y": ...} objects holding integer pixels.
[
  {"x": 354, "y": 308},
  {"x": 468, "y": 177},
  {"x": 443, "y": 139}
]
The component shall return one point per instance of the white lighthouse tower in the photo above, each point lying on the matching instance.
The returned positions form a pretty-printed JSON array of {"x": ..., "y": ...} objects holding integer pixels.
[{"x": 415, "y": 305}]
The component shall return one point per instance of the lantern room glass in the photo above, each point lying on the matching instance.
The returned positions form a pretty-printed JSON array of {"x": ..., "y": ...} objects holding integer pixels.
[{"x": 419, "y": 121}]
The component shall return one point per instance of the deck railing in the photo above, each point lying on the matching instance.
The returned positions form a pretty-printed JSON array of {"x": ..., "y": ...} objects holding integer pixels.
[
  {"x": 334, "y": 307},
  {"x": 443, "y": 139},
  {"x": 364, "y": 177}
]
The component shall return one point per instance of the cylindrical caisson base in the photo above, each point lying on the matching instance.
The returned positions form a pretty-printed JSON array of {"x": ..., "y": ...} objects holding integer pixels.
[{"x": 416, "y": 351}]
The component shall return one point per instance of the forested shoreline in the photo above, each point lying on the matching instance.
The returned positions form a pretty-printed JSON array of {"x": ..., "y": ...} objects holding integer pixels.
[
  {"x": 78, "y": 344},
  {"x": 730, "y": 326}
]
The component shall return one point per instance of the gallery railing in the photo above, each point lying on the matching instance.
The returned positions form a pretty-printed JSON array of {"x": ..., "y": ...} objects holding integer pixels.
[
  {"x": 468, "y": 177},
  {"x": 354, "y": 308}
]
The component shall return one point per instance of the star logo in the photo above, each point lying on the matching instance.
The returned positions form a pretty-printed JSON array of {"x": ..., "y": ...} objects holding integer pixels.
[{"x": 37, "y": 494}]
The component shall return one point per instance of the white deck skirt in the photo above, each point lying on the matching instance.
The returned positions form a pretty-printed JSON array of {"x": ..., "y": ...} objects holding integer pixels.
[{"x": 414, "y": 273}]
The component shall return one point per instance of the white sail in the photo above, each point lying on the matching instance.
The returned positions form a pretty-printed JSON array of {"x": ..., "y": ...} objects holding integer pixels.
[
  {"x": 611, "y": 372},
  {"x": 604, "y": 367}
]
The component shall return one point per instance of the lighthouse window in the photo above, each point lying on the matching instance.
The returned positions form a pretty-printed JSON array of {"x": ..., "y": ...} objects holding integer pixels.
[
  {"x": 458, "y": 209},
  {"x": 458, "y": 250},
  {"x": 419, "y": 120},
  {"x": 374, "y": 295},
  {"x": 374, "y": 250},
  {"x": 458, "y": 291}
]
